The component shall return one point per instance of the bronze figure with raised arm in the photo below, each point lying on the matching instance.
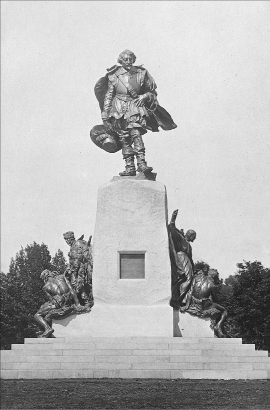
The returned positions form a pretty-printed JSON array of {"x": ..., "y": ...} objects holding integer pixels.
[{"x": 181, "y": 262}]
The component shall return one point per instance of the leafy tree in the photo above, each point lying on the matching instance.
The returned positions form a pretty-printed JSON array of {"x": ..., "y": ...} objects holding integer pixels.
[
  {"x": 248, "y": 304},
  {"x": 21, "y": 291},
  {"x": 246, "y": 296},
  {"x": 59, "y": 262}
]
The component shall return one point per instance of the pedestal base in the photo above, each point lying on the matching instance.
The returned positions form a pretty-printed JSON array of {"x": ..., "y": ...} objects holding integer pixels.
[
  {"x": 186, "y": 325},
  {"x": 106, "y": 320}
]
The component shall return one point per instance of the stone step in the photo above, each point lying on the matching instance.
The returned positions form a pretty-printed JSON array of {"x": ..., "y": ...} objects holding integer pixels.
[
  {"x": 129, "y": 365},
  {"x": 141, "y": 352},
  {"x": 176, "y": 340},
  {"x": 136, "y": 357},
  {"x": 12, "y": 357},
  {"x": 173, "y": 355},
  {"x": 132, "y": 345},
  {"x": 118, "y": 373}
]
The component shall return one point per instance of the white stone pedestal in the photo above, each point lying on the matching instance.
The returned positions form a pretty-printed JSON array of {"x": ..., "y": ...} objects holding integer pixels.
[
  {"x": 132, "y": 218},
  {"x": 186, "y": 325}
]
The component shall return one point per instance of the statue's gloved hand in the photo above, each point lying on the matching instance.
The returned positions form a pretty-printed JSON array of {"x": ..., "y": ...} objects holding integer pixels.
[
  {"x": 141, "y": 99},
  {"x": 108, "y": 126}
]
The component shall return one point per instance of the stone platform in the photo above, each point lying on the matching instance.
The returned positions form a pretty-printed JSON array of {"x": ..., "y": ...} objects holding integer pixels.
[
  {"x": 133, "y": 320},
  {"x": 135, "y": 357}
]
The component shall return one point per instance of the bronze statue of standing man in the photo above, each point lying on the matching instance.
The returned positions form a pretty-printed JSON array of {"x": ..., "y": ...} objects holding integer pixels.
[{"x": 128, "y": 100}]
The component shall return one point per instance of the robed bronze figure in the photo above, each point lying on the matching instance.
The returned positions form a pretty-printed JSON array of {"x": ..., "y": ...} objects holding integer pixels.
[
  {"x": 193, "y": 293},
  {"x": 181, "y": 262},
  {"x": 129, "y": 108}
]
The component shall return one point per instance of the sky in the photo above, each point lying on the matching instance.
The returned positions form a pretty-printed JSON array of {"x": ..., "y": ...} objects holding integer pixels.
[{"x": 210, "y": 61}]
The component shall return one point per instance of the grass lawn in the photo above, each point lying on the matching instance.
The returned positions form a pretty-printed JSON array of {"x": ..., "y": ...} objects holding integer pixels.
[{"x": 135, "y": 394}]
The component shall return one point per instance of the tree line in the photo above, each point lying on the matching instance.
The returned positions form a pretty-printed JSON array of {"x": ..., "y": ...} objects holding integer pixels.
[{"x": 245, "y": 295}]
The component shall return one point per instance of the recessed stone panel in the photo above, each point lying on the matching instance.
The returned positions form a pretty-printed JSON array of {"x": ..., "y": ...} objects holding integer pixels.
[{"x": 131, "y": 265}]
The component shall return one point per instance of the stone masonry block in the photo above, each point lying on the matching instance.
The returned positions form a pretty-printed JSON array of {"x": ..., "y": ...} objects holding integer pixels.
[
  {"x": 210, "y": 346},
  {"x": 131, "y": 359},
  {"x": 40, "y": 352},
  {"x": 30, "y": 347},
  {"x": 227, "y": 366},
  {"x": 12, "y": 357},
  {"x": 101, "y": 374},
  {"x": 103, "y": 352},
  {"x": 167, "y": 366},
  {"x": 218, "y": 359},
  {"x": 234, "y": 352},
  {"x": 257, "y": 374},
  {"x": 95, "y": 366},
  {"x": 210, "y": 374},
  {"x": 140, "y": 374},
  {"x": 31, "y": 366},
  {"x": 44, "y": 359},
  {"x": 76, "y": 346},
  {"x": 9, "y": 374},
  {"x": 261, "y": 366},
  {"x": 43, "y": 341},
  {"x": 132, "y": 345},
  {"x": 180, "y": 352},
  {"x": 55, "y": 374}
]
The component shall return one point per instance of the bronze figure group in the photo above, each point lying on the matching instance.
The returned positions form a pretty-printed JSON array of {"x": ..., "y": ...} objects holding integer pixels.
[
  {"x": 70, "y": 292},
  {"x": 193, "y": 293}
]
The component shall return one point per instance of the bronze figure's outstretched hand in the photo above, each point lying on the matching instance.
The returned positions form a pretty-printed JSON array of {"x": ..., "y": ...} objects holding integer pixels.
[{"x": 174, "y": 216}]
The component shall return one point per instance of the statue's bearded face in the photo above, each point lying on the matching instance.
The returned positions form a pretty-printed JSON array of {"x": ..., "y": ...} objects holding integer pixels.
[{"x": 127, "y": 61}]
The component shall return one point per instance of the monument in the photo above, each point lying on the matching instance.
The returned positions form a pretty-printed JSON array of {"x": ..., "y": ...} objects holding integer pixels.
[
  {"x": 143, "y": 267},
  {"x": 131, "y": 273},
  {"x": 131, "y": 305}
]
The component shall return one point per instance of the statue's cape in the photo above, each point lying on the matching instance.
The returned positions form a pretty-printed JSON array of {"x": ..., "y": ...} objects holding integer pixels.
[{"x": 159, "y": 118}]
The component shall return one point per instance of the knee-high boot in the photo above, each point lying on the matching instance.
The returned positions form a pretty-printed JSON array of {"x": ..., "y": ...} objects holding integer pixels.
[
  {"x": 128, "y": 155},
  {"x": 139, "y": 150}
]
